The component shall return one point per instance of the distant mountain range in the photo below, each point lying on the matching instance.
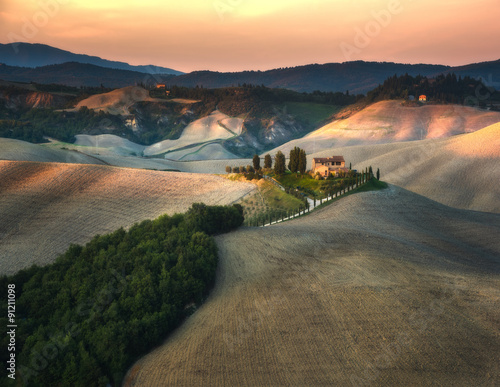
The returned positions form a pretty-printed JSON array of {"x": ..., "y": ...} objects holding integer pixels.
[
  {"x": 36, "y": 55},
  {"x": 357, "y": 77},
  {"x": 79, "y": 74}
]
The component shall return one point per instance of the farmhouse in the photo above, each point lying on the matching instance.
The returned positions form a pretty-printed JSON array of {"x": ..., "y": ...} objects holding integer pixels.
[
  {"x": 326, "y": 165},
  {"x": 422, "y": 98}
]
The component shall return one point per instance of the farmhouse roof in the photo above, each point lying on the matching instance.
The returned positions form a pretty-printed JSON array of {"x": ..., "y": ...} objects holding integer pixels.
[{"x": 325, "y": 159}]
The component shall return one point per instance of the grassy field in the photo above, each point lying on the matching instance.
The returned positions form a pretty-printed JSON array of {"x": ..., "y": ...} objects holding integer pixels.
[
  {"x": 269, "y": 198},
  {"x": 309, "y": 185},
  {"x": 313, "y": 113}
]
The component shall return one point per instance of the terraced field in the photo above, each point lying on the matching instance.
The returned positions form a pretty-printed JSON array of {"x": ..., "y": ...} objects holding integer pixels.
[
  {"x": 45, "y": 207},
  {"x": 379, "y": 288}
]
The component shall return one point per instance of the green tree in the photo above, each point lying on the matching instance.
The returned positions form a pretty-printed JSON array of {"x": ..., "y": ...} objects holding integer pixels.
[
  {"x": 256, "y": 162},
  {"x": 228, "y": 169},
  {"x": 293, "y": 164},
  {"x": 378, "y": 174},
  {"x": 279, "y": 163},
  {"x": 268, "y": 161},
  {"x": 302, "y": 161}
]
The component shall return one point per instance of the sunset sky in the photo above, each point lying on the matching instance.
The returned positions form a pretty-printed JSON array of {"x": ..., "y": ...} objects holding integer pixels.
[{"x": 234, "y": 35}]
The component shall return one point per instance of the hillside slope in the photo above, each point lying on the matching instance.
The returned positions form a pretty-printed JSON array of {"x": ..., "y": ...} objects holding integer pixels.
[
  {"x": 379, "y": 288},
  {"x": 117, "y": 101},
  {"x": 216, "y": 126},
  {"x": 16, "y": 150},
  {"x": 389, "y": 121},
  {"x": 45, "y": 207},
  {"x": 460, "y": 171}
]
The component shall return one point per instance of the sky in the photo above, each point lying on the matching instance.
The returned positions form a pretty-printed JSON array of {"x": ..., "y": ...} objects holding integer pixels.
[{"x": 236, "y": 35}]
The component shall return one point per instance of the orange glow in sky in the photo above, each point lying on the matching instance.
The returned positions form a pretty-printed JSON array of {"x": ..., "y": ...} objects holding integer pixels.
[{"x": 234, "y": 35}]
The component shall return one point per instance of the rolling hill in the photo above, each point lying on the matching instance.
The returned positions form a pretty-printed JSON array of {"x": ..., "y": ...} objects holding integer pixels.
[
  {"x": 379, "y": 288},
  {"x": 390, "y": 121},
  {"x": 118, "y": 101},
  {"x": 460, "y": 171},
  {"x": 45, "y": 207}
]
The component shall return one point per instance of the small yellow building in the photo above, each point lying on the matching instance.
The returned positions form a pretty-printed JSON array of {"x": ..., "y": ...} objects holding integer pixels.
[
  {"x": 422, "y": 98},
  {"x": 326, "y": 165}
]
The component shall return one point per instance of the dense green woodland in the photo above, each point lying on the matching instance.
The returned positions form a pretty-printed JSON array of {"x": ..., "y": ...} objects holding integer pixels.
[{"x": 83, "y": 320}]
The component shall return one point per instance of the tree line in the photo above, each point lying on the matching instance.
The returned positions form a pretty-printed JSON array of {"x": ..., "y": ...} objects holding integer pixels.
[
  {"x": 83, "y": 320},
  {"x": 297, "y": 163},
  {"x": 444, "y": 88}
]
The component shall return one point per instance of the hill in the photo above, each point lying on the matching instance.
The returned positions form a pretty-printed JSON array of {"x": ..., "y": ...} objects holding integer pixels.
[
  {"x": 358, "y": 77},
  {"x": 118, "y": 101},
  {"x": 37, "y": 55},
  {"x": 461, "y": 171},
  {"x": 379, "y": 288},
  {"x": 47, "y": 206},
  {"x": 392, "y": 121},
  {"x": 115, "y": 151},
  {"x": 16, "y": 150},
  {"x": 77, "y": 74}
]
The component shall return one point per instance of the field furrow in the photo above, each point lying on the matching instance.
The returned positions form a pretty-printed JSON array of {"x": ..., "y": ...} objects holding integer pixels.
[
  {"x": 45, "y": 207},
  {"x": 361, "y": 292}
]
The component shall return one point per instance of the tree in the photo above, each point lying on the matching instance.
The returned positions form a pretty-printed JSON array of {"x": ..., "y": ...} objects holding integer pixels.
[
  {"x": 268, "y": 161},
  {"x": 236, "y": 170},
  {"x": 302, "y": 161},
  {"x": 293, "y": 164},
  {"x": 279, "y": 163},
  {"x": 256, "y": 162},
  {"x": 370, "y": 172},
  {"x": 228, "y": 169},
  {"x": 378, "y": 174}
]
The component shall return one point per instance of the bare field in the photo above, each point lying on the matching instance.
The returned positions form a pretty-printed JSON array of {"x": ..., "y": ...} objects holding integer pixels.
[
  {"x": 379, "y": 288},
  {"x": 461, "y": 171},
  {"x": 117, "y": 101},
  {"x": 17, "y": 150},
  {"x": 45, "y": 207},
  {"x": 389, "y": 121}
]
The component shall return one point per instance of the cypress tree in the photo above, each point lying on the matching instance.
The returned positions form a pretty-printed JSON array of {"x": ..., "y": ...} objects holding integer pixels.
[
  {"x": 279, "y": 163},
  {"x": 293, "y": 164},
  {"x": 268, "y": 161},
  {"x": 302, "y": 161},
  {"x": 256, "y": 162}
]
